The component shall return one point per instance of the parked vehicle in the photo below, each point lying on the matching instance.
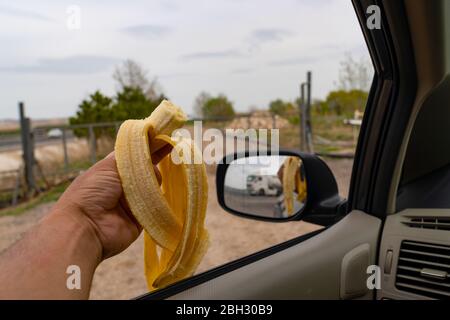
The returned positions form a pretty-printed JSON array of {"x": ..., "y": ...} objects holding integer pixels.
[
  {"x": 54, "y": 133},
  {"x": 262, "y": 185}
]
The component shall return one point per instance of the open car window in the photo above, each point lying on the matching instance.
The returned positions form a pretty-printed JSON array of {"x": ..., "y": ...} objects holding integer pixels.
[{"x": 81, "y": 70}]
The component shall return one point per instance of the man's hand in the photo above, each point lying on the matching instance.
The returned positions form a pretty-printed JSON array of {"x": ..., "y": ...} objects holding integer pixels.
[
  {"x": 97, "y": 197},
  {"x": 90, "y": 222}
]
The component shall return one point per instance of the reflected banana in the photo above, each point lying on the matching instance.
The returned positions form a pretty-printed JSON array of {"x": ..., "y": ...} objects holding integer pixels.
[{"x": 292, "y": 181}]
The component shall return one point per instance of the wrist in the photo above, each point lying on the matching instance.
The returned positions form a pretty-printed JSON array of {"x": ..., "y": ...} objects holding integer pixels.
[{"x": 80, "y": 231}]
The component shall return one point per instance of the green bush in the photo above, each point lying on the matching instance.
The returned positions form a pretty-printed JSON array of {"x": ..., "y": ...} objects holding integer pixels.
[
  {"x": 218, "y": 107},
  {"x": 129, "y": 103}
]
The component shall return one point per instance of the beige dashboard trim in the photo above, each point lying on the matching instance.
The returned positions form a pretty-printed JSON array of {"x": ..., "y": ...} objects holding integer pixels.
[
  {"x": 308, "y": 270},
  {"x": 395, "y": 231}
]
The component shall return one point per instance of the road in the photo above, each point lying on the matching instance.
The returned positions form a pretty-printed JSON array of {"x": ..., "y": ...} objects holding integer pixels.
[
  {"x": 12, "y": 143},
  {"x": 262, "y": 205},
  {"x": 265, "y": 206}
]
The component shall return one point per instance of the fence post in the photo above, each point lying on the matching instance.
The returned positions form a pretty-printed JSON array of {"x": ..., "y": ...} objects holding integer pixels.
[
  {"x": 27, "y": 150},
  {"x": 66, "y": 156},
  {"x": 309, "y": 139},
  {"x": 302, "y": 122},
  {"x": 92, "y": 144},
  {"x": 16, "y": 191}
]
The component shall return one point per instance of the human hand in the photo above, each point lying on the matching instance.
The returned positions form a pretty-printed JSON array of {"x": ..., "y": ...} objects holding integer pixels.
[{"x": 97, "y": 197}]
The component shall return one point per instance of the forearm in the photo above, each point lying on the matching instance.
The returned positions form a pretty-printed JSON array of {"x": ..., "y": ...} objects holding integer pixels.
[{"x": 36, "y": 266}]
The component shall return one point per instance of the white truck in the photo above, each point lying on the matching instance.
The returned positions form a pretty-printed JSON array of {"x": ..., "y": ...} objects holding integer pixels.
[{"x": 263, "y": 185}]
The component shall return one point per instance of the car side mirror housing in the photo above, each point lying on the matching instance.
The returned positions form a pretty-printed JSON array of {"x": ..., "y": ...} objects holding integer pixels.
[{"x": 278, "y": 187}]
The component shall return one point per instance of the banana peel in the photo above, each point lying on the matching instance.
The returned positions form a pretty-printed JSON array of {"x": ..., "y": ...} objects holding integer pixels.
[
  {"x": 292, "y": 181},
  {"x": 173, "y": 215}
]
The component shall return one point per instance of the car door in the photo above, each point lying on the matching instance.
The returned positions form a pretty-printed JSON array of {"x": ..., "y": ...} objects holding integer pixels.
[{"x": 333, "y": 262}]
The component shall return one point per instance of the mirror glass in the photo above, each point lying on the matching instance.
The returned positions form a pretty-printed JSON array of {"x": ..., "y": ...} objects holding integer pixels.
[{"x": 266, "y": 186}]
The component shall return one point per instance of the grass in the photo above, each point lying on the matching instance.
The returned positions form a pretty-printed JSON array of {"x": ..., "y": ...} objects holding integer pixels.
[
  {"x": 49, "y": 196},
  {"x": 12, "y": 132},
  {"x": 290, "y": 137},
  {"x": 332, "y": 128},
  {"x": 54, "y": 173},
  {"x": 81, "y": 165},
  {"x": 6, "y": 197},
  {"x": 326, "y": 149}
]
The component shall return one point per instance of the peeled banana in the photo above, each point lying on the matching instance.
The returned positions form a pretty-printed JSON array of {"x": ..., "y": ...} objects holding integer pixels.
[
  {"x": 173, "y": 215},
  {"x": 292, "y": 181}
]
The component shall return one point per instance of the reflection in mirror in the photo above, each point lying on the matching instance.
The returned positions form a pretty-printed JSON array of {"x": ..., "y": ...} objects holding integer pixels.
[{"x": 266, "y": 186}]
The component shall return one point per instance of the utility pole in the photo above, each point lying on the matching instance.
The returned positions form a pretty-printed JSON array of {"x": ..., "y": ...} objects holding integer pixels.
[
  {"x": 308, "y": 138},
  {"x": 306, "y": 141},
  {"x": 27, "y": 150}
]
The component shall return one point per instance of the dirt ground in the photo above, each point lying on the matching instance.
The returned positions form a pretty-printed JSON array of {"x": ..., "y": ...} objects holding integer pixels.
[{"x": 122, "y": 277}]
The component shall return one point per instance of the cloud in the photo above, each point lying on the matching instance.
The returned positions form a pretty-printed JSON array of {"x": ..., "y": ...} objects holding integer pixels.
[
  {"x": 79, "y": 64},
  {"x": 294, "y": 61},
  {"x": 269, "y": 35},
  {"x": 211, "y": 55},
  {"x": 242, "y": 71},
  {"x": 315, "y": 54},
  {"x": 147, "y": 30},
  {"x": 22, "y": 13},
  {"x": 316, "y": 3},
  {"x": 176, "y": 75},
  {"x": 169, "y": 6}
]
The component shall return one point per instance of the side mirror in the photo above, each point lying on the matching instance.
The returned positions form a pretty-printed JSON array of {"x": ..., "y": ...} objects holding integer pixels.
[{"x": 280, "y": 187}]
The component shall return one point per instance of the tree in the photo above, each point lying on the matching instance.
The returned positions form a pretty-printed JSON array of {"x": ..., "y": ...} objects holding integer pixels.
[
  {"x": 281, "y": 107},
  {"x": 136, "y": 99},
  {"x": 320, "y": 107},
  {"x": 132, "y": 75},
  {"x": 132, "y": 103},
  {"x": 96, "y": 108},
  {"x": 346, "y": 102},
  {"x": 200, "y": 102},
  {"x": 218, "y": 107},
  {"x": 354, "y": 75},
  {"x": 353, "y": 84}
]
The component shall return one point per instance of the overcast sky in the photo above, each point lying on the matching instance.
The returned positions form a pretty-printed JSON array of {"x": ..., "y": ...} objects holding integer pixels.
[{"x": 251, "y": 50}]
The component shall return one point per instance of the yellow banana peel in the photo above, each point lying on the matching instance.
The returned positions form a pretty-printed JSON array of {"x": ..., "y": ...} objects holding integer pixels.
[
  {"x": 292, "y": 181},
  {"x": 173, "y": 214}
]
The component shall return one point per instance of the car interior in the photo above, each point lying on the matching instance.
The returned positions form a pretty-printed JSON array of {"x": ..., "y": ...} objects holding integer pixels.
[
  {"x": 409, "y": 239},
  {"x": 415, "y": 247}
]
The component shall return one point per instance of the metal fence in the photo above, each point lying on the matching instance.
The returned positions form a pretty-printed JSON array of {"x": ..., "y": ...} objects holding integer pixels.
[{"x": 52, "y": 154}]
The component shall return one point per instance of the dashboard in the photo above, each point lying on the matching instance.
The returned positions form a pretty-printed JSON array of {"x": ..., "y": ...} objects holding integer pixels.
[{"x": 415, "y": 255}]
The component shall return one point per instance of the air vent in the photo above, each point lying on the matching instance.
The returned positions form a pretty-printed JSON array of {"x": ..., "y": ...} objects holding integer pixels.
[
  {"x": 424, "y": 269},
  {"x": 436, "y": 223}
]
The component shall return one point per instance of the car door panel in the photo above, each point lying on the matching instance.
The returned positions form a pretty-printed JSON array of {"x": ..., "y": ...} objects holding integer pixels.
[{"x": 309, "y": 270}]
